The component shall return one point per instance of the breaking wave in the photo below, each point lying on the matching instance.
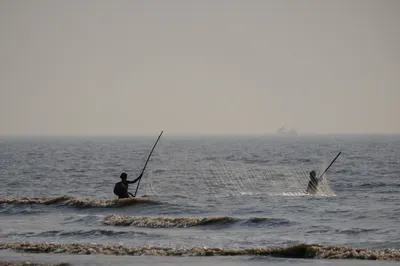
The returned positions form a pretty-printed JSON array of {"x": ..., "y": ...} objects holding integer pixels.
[
  {"x": 77, "y": 202},
  {"x": 184, "y": 222},
  {"x": 306, "y": 251}
]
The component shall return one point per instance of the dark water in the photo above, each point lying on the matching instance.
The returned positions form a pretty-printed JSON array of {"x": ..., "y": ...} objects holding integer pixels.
[{"x": 231, "y": 193}]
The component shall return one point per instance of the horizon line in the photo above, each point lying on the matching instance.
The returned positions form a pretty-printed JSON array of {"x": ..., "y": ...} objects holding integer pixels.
[{"x": 308, "y": 134}]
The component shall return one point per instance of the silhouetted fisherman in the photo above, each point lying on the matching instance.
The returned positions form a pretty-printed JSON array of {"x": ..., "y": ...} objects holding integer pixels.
[
  {"x": 313, "y": 184},
  {"x": 121, "y": 188}
]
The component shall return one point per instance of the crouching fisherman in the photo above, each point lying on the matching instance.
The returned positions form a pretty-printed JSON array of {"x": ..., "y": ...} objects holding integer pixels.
[
  {"x": 121, "y": 188},
  {"x": 313, "y": 184}
]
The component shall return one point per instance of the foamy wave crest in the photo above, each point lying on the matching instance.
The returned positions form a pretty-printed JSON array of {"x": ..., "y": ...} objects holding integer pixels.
[
  {"x": 298, "y": 251},
  {"x": 78, "y": 202},
  {"x": 183, "y": 222}
]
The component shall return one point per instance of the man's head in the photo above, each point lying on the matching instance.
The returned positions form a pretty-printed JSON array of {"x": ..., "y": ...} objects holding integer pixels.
[
  {"x": 123, "y": 176},
  {"x": 312, "y": 173}
]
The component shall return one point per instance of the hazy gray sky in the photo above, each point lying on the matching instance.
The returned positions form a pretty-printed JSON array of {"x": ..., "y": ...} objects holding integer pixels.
[{"x": 206, "y": 66}]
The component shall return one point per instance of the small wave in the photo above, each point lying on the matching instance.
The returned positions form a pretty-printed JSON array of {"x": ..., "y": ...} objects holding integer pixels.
[
  {"x": 375, "y": 185},
  {"x": 359, "y": 217},
  {"x": 255, "y": 161},
  {"x": 28, "y": 263},
  {"x": 304, "y": 160},
  {"x": 319, "y": 229},
  {"x": 78, "y": 202},
  {"x": 80, "y": 233},
  {"x": 210, "y": 158},
  {"x": 184, "y": 222},
  {"x": 159, "y": 171},
  {"x": 298, "y": 194},
  {"x": 356, "y": 231},
  {"x": 269, "y": 221},
  {"x": 82, "y": 219},
  {"x": 337, "y": 211},
  {"x": 351, "y": 231},
  {"x": 305, "y": 251},
  {"x": 9, "y": 210}
]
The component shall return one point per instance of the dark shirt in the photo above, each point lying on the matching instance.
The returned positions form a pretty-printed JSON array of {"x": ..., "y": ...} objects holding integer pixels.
[{"x": 121, "y": 188}]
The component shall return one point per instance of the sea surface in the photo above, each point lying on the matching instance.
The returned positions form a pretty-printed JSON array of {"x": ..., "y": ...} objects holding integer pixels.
[{"x": 206, "y": 200}]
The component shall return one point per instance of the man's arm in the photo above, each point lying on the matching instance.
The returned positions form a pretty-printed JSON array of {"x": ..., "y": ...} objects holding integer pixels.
[{"x": 134, "y": 181}]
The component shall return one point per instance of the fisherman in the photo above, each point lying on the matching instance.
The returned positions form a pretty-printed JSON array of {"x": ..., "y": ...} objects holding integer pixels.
[
  {"x": 313, "y": 184},
  {"x": 121, "y": 188}
]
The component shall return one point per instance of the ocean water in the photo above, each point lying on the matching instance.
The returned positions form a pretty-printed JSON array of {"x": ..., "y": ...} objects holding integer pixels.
[{"x": 232, "y": 200}]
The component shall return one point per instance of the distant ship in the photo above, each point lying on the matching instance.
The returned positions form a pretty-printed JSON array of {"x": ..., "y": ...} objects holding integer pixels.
[{"x": 283, "y": 131}]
